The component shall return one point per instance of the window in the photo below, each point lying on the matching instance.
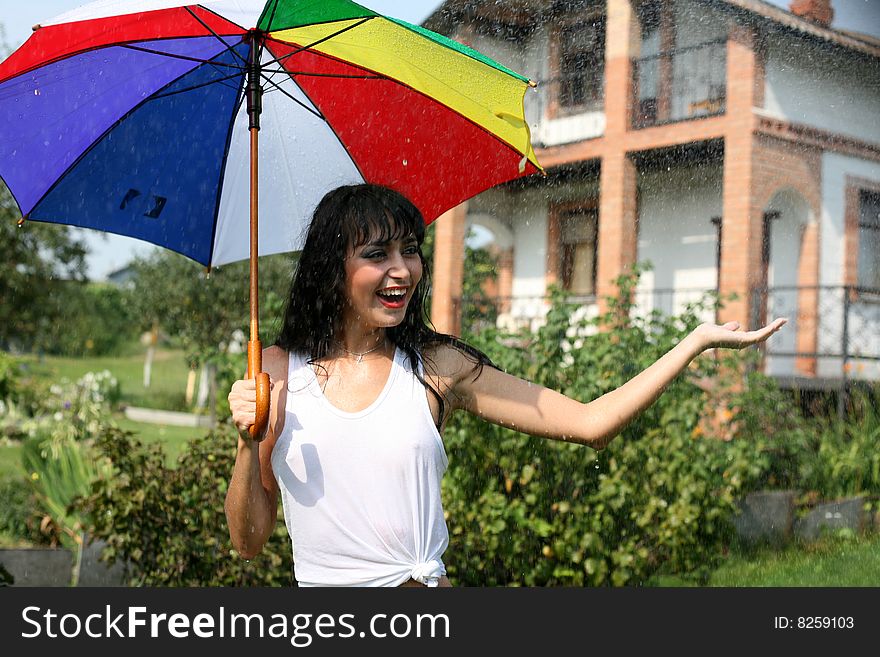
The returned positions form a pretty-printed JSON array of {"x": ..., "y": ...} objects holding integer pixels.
[
  {"x": 869, "y": 240},
  {"x": 582, "y": 65},
  {"x": 647, "y": 68},
  {"x": 577, "y": 232}
]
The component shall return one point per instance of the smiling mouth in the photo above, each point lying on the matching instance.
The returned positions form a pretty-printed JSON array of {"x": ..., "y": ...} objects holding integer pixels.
[{"x": 392, "y": 297}]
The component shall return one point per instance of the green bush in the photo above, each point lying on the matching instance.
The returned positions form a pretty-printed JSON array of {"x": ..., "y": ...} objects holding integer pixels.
[
  {"x": 528, "y": 511},
  {"x": 20, "y": 513},
  {"x": 844, "y": 460},
  {"x": 65, "y": 411},
  {"x": 770, "y": 421},
  {"x": 168, "y": 524},
  {"x": 61, "y": 471},
  {"x": 825, "y": 458}
]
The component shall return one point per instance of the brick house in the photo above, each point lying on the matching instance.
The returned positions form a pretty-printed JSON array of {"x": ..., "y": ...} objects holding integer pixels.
[{"x": 732, "y": 143}]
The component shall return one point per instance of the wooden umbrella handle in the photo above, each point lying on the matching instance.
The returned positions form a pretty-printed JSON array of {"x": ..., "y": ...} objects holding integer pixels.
[{"x": 257, "y": 430}]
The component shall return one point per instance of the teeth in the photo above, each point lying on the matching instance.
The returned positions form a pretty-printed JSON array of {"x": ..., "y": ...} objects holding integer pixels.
[{"x": 393, "y": 293}]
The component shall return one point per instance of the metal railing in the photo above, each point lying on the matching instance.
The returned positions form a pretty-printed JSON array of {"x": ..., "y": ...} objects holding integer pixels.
[
  {"x": 840, "y": 322},
  {"x": 680, "y": 84},
  {"x": 583, "y": 91}
]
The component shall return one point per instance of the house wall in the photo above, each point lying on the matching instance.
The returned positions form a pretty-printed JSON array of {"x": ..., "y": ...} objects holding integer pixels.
[
  {"x": 864, "y": 317},
  {"x": 677, "y": 236},
  {"x": 526, "y": 214},
  {"x": 794, "y": 80},
  {"x": 822, "y": 88},
  {"x": 529, "y": 221}
]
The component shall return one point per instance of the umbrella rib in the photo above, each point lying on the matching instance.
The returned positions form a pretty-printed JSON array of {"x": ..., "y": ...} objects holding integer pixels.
[
  {"x": 184, "y": 57},
  {"x": 300, "y": 49},
  {"x": 277, "y": 87},
  {"x": 328, "y": 75},
  {"x": 203, "y": 84},
  {"x": 217, "y": 36}
]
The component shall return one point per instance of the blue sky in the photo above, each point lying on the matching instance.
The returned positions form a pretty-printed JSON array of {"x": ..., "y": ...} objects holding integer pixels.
[{"x": 109, "y": 252}]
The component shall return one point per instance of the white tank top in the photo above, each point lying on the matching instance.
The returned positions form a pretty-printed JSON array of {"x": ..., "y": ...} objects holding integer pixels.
[{"x": 361, "y": 491}]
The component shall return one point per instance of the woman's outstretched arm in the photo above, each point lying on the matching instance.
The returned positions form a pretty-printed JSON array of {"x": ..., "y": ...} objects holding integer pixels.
[{"x": 511, "y": 402}]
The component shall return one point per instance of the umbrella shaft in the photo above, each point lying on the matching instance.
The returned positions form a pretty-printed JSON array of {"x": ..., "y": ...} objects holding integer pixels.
[
  {"x": 254, "y": 268},
  {"x": 254, "y": 88},
  {"x": 254, "y": 108}
]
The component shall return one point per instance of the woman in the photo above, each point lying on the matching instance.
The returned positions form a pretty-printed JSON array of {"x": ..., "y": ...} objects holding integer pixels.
[{"x": 361, "y": 391}]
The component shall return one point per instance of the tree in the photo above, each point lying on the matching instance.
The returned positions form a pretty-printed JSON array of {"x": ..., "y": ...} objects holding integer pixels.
[
  {"x": 37, "y": 260},
  {"x": 204, "y": 312}
]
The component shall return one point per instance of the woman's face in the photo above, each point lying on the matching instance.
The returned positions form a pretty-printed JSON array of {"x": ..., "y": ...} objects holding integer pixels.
[{"x": 380, "y": 279}]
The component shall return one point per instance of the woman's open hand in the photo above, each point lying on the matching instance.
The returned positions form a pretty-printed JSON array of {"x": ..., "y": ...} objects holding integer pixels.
[{"x": 730, "y": 336}]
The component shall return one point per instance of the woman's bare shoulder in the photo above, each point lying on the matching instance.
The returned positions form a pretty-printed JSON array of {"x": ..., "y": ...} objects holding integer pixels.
[{"x": 446, "y": 361}]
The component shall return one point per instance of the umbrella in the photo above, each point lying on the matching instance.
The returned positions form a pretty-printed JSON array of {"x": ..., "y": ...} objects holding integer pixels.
[{"x": 141, "y": 118}]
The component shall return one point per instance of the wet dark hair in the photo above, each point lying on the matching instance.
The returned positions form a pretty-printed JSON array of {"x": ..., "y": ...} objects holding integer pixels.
[{"x": 348, "y": 217}]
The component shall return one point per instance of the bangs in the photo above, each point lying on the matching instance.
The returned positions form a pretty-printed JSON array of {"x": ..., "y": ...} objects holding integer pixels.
[{"x": 383, "y": 216}]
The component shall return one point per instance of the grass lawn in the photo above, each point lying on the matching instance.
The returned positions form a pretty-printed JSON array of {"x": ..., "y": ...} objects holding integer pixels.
[
  {"x": 829, "y": 562},
  {"x": 167, "y": 391},
  {"x": 10, "y": 461},
  {"x": 172, "y": 438},
  {"x": 168, "y": 378},
  {"x": 842, "y": 560}
]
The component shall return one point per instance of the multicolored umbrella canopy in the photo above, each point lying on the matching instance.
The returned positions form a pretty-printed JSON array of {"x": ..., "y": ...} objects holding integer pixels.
[{"x": 129, "y": 116}]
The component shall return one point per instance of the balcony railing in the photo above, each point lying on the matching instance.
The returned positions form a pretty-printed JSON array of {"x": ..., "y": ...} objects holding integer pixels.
[
  {"x": 849, "y": 316},
  {"x": 679, "y": 85},
  {"x": 569, "y": 97},
  {"x": 836, "y": 337}
]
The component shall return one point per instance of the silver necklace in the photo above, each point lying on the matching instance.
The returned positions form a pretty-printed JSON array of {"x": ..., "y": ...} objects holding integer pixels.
[{"x": 359, "y": 356}]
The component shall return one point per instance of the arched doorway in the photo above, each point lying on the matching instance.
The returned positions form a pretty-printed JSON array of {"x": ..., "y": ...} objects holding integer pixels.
[{"x": 486, "y": 231}]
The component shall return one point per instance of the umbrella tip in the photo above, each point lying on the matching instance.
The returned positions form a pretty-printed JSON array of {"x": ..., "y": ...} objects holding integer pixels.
[
  {"x": 20, "y": 222},
  {"x": 533, "y": 84},
  {"x": 36, "y": 27}
]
